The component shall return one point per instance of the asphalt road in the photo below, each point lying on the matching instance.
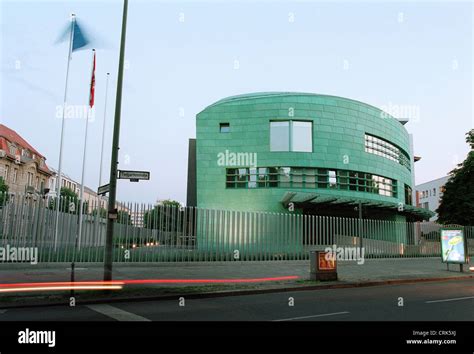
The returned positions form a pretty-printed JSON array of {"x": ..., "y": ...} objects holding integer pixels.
[{"x": 441, "y": 301}]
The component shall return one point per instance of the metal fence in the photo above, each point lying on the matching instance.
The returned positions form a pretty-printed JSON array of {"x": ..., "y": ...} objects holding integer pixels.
[{"x": 170, "y": 233}]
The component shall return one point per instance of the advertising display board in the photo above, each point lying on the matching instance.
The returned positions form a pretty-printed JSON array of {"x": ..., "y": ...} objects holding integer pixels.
[{"x": 453, "y": 246}]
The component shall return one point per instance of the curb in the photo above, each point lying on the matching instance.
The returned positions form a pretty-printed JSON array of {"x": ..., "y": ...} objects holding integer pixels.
[{"x": 339, "y": 285}]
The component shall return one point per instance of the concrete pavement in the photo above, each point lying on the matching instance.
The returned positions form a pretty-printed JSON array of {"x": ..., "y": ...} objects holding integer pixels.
[{"x": 371, "y": 270}]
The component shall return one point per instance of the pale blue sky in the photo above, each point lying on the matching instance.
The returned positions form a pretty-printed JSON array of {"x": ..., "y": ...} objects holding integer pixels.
[{"x": 411, "y": 54}]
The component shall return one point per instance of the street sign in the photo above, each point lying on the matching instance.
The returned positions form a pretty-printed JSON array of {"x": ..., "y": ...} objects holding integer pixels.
[
  {"x": 134, "y": 176},
  {"x": 103, "y": 189}
]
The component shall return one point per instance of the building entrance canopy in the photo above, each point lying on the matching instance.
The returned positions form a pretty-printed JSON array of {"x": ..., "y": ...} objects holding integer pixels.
[{"x": 310, "y": 201}]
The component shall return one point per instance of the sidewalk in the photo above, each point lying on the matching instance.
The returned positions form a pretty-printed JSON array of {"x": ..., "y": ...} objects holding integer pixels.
[{"x": 371, "y": 270}]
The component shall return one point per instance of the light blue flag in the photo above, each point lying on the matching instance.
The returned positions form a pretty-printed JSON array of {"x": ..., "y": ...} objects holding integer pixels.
[{"x": 80, "y": 39}]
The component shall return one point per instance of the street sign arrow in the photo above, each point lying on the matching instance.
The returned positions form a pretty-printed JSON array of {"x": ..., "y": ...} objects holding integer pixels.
[{"x": 103, "y": 189}]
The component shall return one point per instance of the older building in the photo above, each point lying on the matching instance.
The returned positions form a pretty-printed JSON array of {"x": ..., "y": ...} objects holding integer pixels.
[
  {"x": 66, "y": 182},
  {"x": 23, "y": 168}
]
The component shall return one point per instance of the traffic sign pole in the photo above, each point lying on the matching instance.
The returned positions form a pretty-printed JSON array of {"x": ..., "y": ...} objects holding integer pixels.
[{"x": 115, "y": 148}]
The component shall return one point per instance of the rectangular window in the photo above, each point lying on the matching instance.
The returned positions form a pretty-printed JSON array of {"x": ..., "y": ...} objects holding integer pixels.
[
  {"x": 252, "y": 178},
  {"x": 408, "y": 195},
  {"x": 332, "y": 179},
  {"x": 15, "y": 175},
  {"x": 224, "y": 127},
  {"x": 7, "y": 168},
  {"x": 294, "y": 136},
  {"x": 380, "y": 147},
  {"x": 310, "y": 177},
  {"x": 280, "y": 136},
  {"x": 230, "y": 178},
  {"x": 284, "y": 177},
  {"x": 297, "y": 177},
  {"x": 322, "y": 178},
  {"x": 262, "y": 177},
  {"x": 302, "y": 136},
  {"x": 273, "y": 177},
  {"x": 241, "y": 178}
]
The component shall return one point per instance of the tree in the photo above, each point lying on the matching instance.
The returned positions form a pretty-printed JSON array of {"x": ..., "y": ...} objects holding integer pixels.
[
  {"x": 457, "y": 202},
  {"x": 67, "y": 197},
  {"x": 123, "y": 217},
  {"x": 164, "y": 213},
  {"x": 3, "y": 192},
  {"x": 101, "y": 211}
]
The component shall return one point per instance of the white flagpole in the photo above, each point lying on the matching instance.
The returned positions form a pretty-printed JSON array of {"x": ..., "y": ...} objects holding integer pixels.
[
  {"x": 59, "y": 177},
  {"x": 99, "y": 204},
  {"x": 81, "y": 202},
  {"x": 103, "y": 130}
]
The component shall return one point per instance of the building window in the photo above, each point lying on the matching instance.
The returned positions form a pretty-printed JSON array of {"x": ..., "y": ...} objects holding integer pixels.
[
  {"x": 310, "y": 178},
  {"x": 302, "y": 136},
  {"x": 381, "y": 147},
  {"x": 280, "y": 136},
  {"x": 37, "y": 183},
  {"x": 15, "y": 175},
  {"x": 12, "y": 149},
  {"x": 408, "y": 195},
  {"x": 434, "y": 192},
  {"x": 30, "y": 179},
  {"x": 296, "y": 136},
  {"x": 332, "y": 179},
  {"x": 224, "y": 127},
  {"x": 7, "y": 169}
]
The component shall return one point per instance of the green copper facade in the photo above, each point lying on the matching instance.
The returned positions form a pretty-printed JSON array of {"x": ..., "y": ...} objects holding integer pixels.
[{"x": 236, "y": 133}]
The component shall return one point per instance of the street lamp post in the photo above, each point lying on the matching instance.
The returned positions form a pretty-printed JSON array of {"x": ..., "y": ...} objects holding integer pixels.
[{"x": 115, "y": 149}]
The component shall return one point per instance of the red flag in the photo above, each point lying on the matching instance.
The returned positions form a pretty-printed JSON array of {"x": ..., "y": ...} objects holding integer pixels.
[{"x": 91, "y": 95}]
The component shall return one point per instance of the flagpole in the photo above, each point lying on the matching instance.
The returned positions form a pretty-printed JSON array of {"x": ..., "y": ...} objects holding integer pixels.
[
  {"x": 103, "y": 130},
  {"x": 59, "y": 178},
  {"x": 81, "y": 200},
  {"x": 99, "y": 208}
]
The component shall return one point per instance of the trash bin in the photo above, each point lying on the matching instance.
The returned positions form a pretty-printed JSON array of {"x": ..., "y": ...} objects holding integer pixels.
[{"x": 323, "y": 265}]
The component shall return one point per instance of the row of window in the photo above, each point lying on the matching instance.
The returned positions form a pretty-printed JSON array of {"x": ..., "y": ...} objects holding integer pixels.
[
  {"x": 30, "y": 178},
  {"x": 428, "y": 193},
  {"x": 25, "y": 154},
  {"x": 306, "y": 177},
  {"x": 297, "y": 136},
  {"x": 380, "y": 147}
]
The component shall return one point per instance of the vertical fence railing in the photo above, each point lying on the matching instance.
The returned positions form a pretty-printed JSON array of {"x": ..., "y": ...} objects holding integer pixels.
[{"x": 172, "y": 233}]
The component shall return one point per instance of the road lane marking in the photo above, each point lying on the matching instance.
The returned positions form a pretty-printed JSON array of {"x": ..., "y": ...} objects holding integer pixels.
[
  {"x": 454, "y": 299},
  {"x": 116, "y": 313},
  {"x": 321, "y": 315}
]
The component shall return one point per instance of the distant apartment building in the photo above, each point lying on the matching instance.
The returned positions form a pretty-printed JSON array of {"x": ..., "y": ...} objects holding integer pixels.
[
  {"x": 137, "y": 218},
  {"x": 428, "y": 195},
  {"x": 92, "y": 199},
  {"x": 66, "y": 182},
  {"x": 22, "y": 167}
]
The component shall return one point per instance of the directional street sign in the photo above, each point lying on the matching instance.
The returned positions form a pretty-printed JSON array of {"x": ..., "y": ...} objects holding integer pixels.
[
  {"x": 134, "y": 176},
  {"x": 103, "y": 189}
]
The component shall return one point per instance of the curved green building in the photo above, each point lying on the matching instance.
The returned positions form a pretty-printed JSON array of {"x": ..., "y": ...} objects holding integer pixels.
[{"x": 302, "y": 153}]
